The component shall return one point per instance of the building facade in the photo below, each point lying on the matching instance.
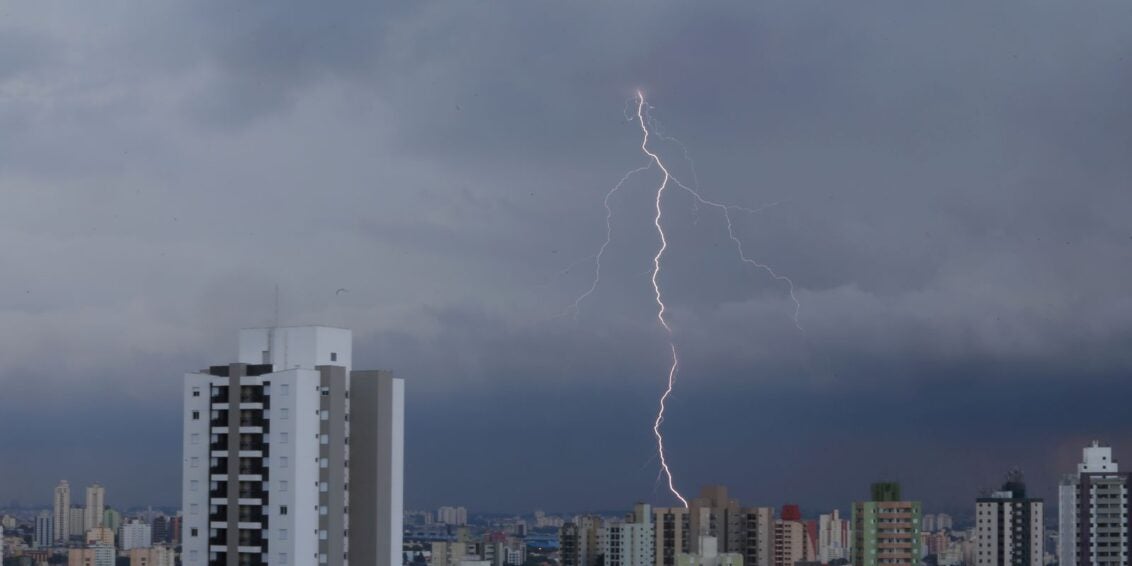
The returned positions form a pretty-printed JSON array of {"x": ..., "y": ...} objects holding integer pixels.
[
  {"x": 1093, "y": 511},
  {"x": 153, "y": 556},
  {"x": 98, "y": 555},
  {"x": 135, "y": 534},
  {"x": 1009, "y": 529},
  {"x": 457, "y": 516},
  {"x": 886, "y": 529},
  {"x": 44, "y": 533},
  {"x": 709, "y": 555},
  {"x": 747, "y": 531},
  {"x": 95, "y": 505},
  {"x": 578, "y": 541},
  {"x": 792, "y": 543},
  {"x": 62, "y": 512},
  {"x": 629, "y": 542},
  {"x": 286, "y": 449},
  {"x": 834, "y": 536}
]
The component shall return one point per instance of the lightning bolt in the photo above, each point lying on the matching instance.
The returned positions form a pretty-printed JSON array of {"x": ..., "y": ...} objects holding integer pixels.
[
  {"x": 726, "y": 210},
  {"x": 654, "y": 158},
  {"x": 645, "y": 121}
]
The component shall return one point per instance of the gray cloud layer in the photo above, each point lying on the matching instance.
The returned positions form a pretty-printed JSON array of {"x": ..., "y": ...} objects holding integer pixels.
[{"x": 952, "y": 182}]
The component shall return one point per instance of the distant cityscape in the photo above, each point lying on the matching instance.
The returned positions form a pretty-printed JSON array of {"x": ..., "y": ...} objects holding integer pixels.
[{"x": 290, "y": 456}]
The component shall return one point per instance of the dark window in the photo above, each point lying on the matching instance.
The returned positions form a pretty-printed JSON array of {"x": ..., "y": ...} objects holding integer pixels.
[
  {"x": 282, "y": 509},
  {"x": 196, "y": 415},
  {"x": 193, "y": 532},
  {"x": 333, "y": 356}
]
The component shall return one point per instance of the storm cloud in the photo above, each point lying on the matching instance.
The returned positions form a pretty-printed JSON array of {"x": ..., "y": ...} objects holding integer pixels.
[{"x": 952, "y": 203}]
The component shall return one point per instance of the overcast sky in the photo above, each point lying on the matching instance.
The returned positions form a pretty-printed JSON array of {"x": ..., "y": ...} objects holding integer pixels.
[{"x": 952, "y": 189}]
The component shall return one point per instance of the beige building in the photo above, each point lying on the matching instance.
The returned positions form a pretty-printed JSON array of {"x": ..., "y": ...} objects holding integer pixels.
[
  {"x": 62, "y": 512},
  {"x": 578, "y": 540},
  {"x": 99, "y": 535},
  {"x": 92, "y": 556},
  {"x": 747, "y": 531},
  {"x": 790, "y": 544},
  {"x": 154, "y": 556},
  {"x": 95, "y": 504}
]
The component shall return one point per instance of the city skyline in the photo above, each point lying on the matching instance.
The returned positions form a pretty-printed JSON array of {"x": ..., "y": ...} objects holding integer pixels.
[{"x": 949, "y": 195}]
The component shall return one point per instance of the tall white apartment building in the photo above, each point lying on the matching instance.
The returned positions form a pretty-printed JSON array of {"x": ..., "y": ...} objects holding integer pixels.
[
  {"x": 1093, "y": 503},
  {"x": 61, "y": 516},
  {"x": 95, "y": 505},
  {"x": 292, "y": 458},
  {"x": 1008, "y": 527},
  {"x": 834, "y": 537},
  {"x": 135, "y": 534},
  {"x": 629, "y": 542}
]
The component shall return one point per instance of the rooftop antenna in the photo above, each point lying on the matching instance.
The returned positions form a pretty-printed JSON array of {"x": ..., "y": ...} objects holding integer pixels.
[{"x": 271, "y": 330}]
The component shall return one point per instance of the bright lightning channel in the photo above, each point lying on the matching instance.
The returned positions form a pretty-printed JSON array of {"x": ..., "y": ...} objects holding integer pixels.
[
  {"x": 645, "y": 121},
  {"x": 659, "y": 299}
]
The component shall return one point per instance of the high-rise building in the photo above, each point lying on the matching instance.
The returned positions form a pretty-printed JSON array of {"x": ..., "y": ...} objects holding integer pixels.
[
  {"x": 44, "y": 534},
  {"x": 1093, "y": 511},
  {"x": 714, "y": 514},
  {"x": 111, "y": 519},
  {"x": 629, "y": 542},
  {"x": 290, "y": 457},
  {"x": 77, "y": 524},
  {"x": 175, "y": 530},
  {"x": 929, "y": 523},
  {"x": 62, "y": 512},
  {"x": 578, "y": 541},
  {"x": 709, "y": 555},
  {"x": 758, "y": 536},
  {"x": 748, "y": 531},
  {"x": 160, "y": 529},
  {"x": 943, "y": 522},
  {"x": 792, "y": 543},
  {"x": 671, "y": 528},
  {"x": 834, "y": 536},
  {"x": 135, "y": 534},
  {"x": 886, "y": 529},
  {"x": 95, "y": 503},
  {"x": 1009, "y": 527}
]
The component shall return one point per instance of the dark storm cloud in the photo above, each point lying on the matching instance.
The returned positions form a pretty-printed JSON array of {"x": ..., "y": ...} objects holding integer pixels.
[{"x": 952, "y": 206}]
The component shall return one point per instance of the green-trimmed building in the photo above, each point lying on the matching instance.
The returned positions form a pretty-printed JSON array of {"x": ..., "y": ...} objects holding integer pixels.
[{"x": 886, "y": 529}]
